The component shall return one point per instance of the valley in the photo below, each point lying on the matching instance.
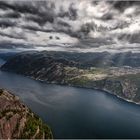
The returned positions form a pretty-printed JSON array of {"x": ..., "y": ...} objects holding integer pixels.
[
  {"x": 55, "y": 103},
  {"x": 120, "y": 77},
  {"x": 69, "y": 69}
]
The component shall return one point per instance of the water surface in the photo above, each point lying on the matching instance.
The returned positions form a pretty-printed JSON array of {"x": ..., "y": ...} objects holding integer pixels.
[{"x": 76, "y": 112}]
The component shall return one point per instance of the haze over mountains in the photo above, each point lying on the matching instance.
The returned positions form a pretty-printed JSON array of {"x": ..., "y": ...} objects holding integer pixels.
[{"x": 75, "y": 25}]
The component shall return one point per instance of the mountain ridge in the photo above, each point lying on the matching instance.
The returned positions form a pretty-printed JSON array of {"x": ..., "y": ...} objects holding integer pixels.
[{"x": 61, "y": 68}]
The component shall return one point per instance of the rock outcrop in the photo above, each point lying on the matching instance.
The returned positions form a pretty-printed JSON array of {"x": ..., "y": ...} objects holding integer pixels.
[{"x": 17, "y": 121}]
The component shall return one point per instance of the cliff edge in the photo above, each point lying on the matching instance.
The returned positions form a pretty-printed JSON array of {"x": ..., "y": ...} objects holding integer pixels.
[{"x": 17, "y": 121}]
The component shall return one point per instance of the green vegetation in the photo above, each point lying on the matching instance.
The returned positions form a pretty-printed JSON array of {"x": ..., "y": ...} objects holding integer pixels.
[
  {"x": 78, "y": 81},
  {"x": 35, "y": 128},
  {"x": 22, "y": 122},
  {"x": 121, "y": 79},
  {"x": 30, "y": 128},
  {"x": 123, "y": 82}
]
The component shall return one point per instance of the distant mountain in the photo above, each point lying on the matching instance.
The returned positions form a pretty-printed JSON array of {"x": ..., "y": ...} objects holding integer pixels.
[
  {"x": 81, "y": 60},
  {"x": 118, "y": 74},
  {"x": 14, "y": 45},
  {"x": 6, "y": 55},
  {"x": 17, "y": 121}
]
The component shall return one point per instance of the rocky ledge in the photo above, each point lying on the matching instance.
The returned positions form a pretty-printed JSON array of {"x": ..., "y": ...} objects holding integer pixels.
[{"x": 17, "y": 121}]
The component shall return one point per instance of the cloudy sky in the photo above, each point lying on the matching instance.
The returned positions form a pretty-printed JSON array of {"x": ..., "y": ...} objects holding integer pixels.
[{"x": 84, "y": 25}]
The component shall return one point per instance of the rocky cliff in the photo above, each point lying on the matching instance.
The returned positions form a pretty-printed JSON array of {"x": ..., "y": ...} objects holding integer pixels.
[{"x": 17, "y": 121}]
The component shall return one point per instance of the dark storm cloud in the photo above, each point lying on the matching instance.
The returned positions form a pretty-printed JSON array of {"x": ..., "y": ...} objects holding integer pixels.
[
  {"x": 12, "y": 36},
  {"x": 4, "y": 23},
  {"x": 122, "y": 5},
  {"x": 62, "y": 23},
  {"x": 23, "y": 7},
  {"x": 71, "y": 13},
  {"x": 41, "y": 19},
  {"x": 34, "y": 21},
  {"x": 40, "y": 12},
  {"x": 28, "y": 7},
  {"x": 11, "y": 15}
]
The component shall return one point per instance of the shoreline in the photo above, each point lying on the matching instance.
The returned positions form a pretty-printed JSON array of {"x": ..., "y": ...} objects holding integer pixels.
[
  {"x": 92, "y": 88},
  {"x": 77, "y": 86}
]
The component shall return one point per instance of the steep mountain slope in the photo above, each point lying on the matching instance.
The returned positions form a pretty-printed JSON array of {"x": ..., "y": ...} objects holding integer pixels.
[
  {"x": 82, "y": 60},
  {"x": 82, "y": 70},
  {"x": 18, "y": 122},
  {"x": 38, "y": 65}
]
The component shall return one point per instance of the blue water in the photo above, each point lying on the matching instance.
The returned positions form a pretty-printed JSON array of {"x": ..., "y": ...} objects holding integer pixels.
[{"x": 76, "y": 112}]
